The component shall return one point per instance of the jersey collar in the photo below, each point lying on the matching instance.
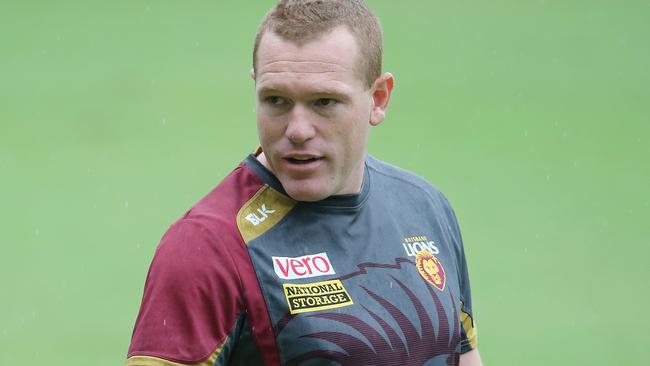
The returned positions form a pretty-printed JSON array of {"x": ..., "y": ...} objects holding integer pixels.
[{"x": 344, "y": 201}]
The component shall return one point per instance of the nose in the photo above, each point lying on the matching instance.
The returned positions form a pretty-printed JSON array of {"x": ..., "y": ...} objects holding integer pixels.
[{"x": 300, "y": 127}]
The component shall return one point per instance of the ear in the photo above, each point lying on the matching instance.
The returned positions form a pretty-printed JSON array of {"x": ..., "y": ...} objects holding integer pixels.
[
  {"x": 381, "y": 92},
  {"x": 252, "y": 73}
]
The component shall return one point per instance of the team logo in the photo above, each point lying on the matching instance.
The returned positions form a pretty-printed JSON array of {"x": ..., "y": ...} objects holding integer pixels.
[
  {"x": 259, "y": 215},
  {"x": 303, "y": 298},
  {"x": 414, "y": 244},
  {"x": 313, "y": 265},
  {"x": 431, "y": 269}
]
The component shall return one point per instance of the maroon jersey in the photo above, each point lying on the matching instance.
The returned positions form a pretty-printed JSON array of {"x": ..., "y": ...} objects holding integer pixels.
[{"x": 249, "y": 276}]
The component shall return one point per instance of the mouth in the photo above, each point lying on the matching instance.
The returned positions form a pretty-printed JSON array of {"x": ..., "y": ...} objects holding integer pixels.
[{"x": 302, "y": 159}]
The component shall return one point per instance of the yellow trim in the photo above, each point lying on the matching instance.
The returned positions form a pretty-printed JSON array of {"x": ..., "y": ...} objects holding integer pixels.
[
  {"x": 155, "y": 361},
  {"x": 469, "y": 326},
  {"x": 265, "y": 209}
]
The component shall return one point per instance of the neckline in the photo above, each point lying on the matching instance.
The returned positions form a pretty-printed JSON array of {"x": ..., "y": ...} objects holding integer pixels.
[{"x": 351, "y": 201}]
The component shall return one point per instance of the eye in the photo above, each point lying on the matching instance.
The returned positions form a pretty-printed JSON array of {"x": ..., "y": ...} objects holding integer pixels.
[
  {"x": 275, "y": 100},
  {"x": 326, "y": 102}
]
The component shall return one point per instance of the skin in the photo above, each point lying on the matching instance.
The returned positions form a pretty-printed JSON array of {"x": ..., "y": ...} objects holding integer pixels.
[
  {"x": 312, "y": 103},
  {"x": 471, "y": 358}
]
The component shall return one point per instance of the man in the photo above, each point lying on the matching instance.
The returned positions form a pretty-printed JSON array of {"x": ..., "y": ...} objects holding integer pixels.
[{"x": 311, "y": 252}]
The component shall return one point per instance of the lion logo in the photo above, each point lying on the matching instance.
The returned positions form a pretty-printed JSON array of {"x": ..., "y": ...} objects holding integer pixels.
[{"x": 431, "y": 269}]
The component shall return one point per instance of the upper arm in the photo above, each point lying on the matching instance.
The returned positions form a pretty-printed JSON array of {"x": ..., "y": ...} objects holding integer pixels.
[
  {"x": 191, "y": 301},
  {"x": 471, "y": 358},
  {"x": 469, "y": 337}
]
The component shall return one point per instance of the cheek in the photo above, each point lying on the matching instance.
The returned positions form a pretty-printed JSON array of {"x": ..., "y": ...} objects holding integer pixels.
[
  {"x": 267, "y": 129},
  {"x": 354, "y": 134}
]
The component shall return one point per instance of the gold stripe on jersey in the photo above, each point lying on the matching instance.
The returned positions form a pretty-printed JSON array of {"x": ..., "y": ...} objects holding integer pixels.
[
  {"x": 265, "y": 209},
  {"x": 155, "y": 361},
  {"x": 468, "y": 325}
]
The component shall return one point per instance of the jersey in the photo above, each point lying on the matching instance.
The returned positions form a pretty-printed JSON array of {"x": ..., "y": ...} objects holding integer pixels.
[{"x": 249, "y": 276}]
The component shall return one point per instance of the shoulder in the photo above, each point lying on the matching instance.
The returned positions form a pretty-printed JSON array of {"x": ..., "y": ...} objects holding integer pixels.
[
  {"x": 190, "y": 253},
  {"x": 208, "y": 232},
  {"x": 391, "y": 176},
  {"x": 217, "y": 210},
  {"x": 408, "y": 192}
]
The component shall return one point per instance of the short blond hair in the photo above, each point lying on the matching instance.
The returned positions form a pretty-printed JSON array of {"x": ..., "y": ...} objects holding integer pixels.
[{"x": 301, "y": 21}]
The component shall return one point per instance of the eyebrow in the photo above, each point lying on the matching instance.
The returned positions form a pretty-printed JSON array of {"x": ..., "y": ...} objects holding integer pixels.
[
  {"x": 268, "y": 89},
  {"x": 322, "y": 91}
]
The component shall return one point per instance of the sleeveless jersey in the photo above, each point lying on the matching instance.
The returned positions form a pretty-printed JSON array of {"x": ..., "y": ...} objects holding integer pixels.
[{"x": 248, "y": 276}]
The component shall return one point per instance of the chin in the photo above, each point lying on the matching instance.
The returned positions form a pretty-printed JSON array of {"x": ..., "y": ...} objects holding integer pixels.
[
  {"x": 306, "y": 196},
  {"x": 303, "y": 192}
]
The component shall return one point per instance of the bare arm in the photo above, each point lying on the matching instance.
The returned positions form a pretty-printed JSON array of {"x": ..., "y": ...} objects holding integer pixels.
[{"x": 471, "y": 358}]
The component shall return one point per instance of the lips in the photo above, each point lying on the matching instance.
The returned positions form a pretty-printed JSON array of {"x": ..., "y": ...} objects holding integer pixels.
[{"x": 302, "y": 160}]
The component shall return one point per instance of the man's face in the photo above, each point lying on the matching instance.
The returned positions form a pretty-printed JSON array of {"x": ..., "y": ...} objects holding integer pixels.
[{"x": 314, "y": 113}]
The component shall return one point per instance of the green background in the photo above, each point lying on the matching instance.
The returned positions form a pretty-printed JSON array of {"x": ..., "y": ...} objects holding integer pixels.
[{"x": 532, "y": 117}]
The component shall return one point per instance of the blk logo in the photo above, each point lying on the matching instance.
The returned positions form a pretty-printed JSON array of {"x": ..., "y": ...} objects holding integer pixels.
[
  {"x": 314, "y": 265},
  {"x": 258, "y": 216}
]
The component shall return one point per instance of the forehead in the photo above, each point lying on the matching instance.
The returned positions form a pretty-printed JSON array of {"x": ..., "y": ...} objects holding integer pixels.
[{"x": 331, "y": 58}]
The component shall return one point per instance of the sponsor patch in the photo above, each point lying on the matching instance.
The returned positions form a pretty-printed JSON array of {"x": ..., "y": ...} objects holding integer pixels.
[
  {"x": 303, "y": 298},
  {"x": 431, "y": 269},
  {"x": 414, "y": 244},
  {"x": 313, "y": 265}
]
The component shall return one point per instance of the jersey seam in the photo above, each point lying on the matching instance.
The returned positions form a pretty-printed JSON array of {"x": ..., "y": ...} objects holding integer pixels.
[
  {"x": 238, "y": 319},
  {"x": 246, "y": 245}
]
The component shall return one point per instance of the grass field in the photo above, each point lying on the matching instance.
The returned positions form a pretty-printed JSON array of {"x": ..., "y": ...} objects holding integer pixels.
[{"x": 532, "y": 116}]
